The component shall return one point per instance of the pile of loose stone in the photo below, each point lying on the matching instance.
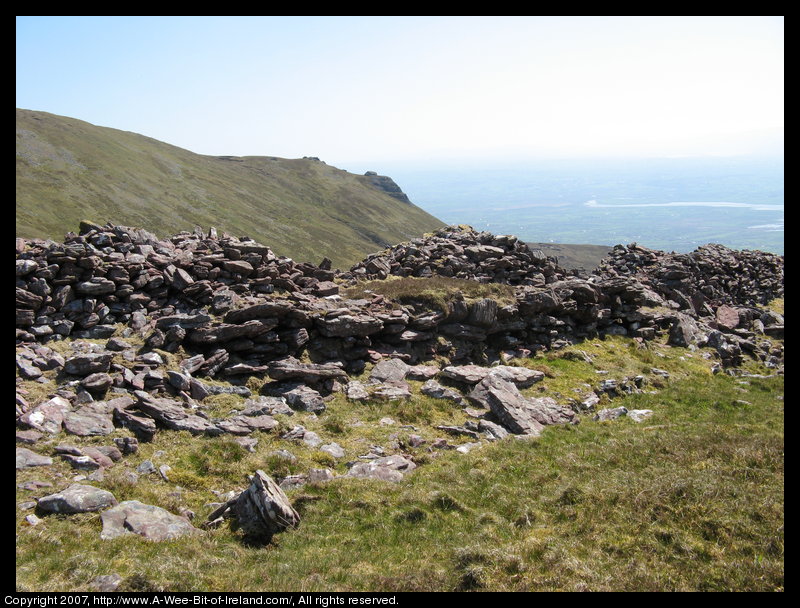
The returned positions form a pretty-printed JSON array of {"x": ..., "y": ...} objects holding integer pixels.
[
  {"x": 461, "y": 252},
  {"x": 234, "y": 309}
]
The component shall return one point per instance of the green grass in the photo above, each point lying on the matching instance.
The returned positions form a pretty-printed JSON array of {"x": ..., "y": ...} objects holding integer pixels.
[
  {"x": 689, "y": 500},
  {"x": 69, "y": 170},
  {"x": 435, "y": 292}
]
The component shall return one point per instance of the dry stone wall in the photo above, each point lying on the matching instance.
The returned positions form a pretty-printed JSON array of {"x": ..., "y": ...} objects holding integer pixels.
[{"x": 239, "y": 309}]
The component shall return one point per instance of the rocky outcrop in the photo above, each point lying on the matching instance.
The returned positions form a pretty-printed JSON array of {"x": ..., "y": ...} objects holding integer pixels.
[{"x": 387, "y": 185}]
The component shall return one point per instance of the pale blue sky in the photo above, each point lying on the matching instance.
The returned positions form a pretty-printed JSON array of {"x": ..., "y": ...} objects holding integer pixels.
[{"x": 352, "y": 89}]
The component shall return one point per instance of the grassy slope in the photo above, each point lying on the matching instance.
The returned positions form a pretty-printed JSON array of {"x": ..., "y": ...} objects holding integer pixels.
[
  {"x": 691, "y": 499},
  {"x": 570, "y": 256},
  {"x": 69, "y": 170}
]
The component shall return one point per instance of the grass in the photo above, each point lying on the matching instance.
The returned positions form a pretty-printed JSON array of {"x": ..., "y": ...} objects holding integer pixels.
[
  {"x": 690, "y": 500},
  {"x": 435, "y": 292}
]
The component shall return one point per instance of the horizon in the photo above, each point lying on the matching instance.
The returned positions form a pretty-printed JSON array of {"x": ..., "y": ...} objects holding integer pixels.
[{"x": 368, "y": 90}]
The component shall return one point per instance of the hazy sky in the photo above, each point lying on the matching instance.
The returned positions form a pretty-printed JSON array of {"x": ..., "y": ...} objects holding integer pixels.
[{"x": 351, "y": 89}]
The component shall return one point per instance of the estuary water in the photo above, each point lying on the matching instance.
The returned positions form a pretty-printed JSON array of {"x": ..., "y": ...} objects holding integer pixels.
[{"x": 670, "y": 204}]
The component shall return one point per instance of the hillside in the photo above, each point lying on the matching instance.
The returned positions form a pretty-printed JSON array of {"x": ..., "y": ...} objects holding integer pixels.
[
  {"x": 69, "y": 170},
  {"x": 574, "y": 257}
]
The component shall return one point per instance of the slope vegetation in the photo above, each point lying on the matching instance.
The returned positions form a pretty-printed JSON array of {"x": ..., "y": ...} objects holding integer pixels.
[{"x": 69, "y": 170}]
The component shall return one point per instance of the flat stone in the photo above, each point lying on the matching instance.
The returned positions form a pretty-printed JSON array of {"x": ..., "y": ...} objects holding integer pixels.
[
  {"x": 28, "y": 458},
  {"x": 151, "y": 522},
  {"x": 77, "y": 498},
  {"x": 174, "y": 416},
  {"x": 334, "y": 449},
  {"x": 83, "y": 365},
  {"x": 389, "y": 370},
  {"x": 422, "y": 372},
  {"x": 639, "y": 415},
  {"x": 392, "y": 391},
  {"x": 89, "y": 420},
  {"x": 47, "y": 417},
  {"x": 312, "y": 373},
  {"x": 433, "y": 389},
  {"x": 610, "y": 414},
  {"x": 348, "y": 325},
  {"x": 388, "y": 468},
  {"x": 356, "y": 392}
]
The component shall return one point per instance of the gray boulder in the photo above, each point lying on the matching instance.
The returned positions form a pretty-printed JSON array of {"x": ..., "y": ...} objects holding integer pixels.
[
  {"x": 77, "y": 498},
  {"x": 90, "y": 420},
  {"x": 28, "y": 458},
  {"x": 151, "y": 522},
  {"x": 388, "y": 468},
  {"x": 389, "y": 370}
]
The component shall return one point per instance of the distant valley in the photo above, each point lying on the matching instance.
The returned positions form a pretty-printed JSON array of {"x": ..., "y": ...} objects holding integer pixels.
[{"x": 672, "y": 204}]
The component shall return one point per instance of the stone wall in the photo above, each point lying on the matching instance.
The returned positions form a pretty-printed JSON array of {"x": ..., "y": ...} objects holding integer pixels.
[{"x": 235, "y": 307}]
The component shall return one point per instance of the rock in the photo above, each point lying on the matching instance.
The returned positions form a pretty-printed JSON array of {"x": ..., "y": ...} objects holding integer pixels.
[
  {"x": 356, "y": 392},
  {"x": 28, "y": 458},
  {"x": 491, "y": 430},
  {"x": 727, "y": 318},
  {"x": 334, "y": 449},
  {"x": 143, "y": 427},
  {"x": 83, "y": 365},
  {"x": 468, "y": 374},
  {"x": 466, "y": 448},
  {"x": 267, "y": 406},
  {"x": 77, "y": 499},
  {"x": 515, "y": 412},
  {"x": 47, "y": 417},
  {"x": 437, "y": 391},
  {"x": 263, "y": 509},
  {"x": 392, "y": 391},
  {"x": 244, "y": 425},
  {"x": 389, "y": 370},
  {"x": 639, "y": 415},
  {"x": 105, "y": 583},
  {"x": 422, "y": 372},
  {"x": 127, "y": 445},
  {"x": 348, "y": 325},
  {"x": 521, "y": 376},
  {"x": 151, "y": 522},
  {"x": 320, "y": 475},
  {"x": 304, "y": 399},
  {"x": 388, "y": 468},
  {"x": 311, "y": 373},
  {"x": 97, "y": 383},
  {"x": 610, "y": 414},
  {"x": 30, "y": 436},
  {"x": 174, "y": 416},
  {"x": 311, "y": 439},
  {"x": 90, "y": 420}
]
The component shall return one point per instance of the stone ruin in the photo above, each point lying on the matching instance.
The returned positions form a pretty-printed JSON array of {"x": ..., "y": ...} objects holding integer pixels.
[
  {"x": 240, "y": 309},
  {"x": 234, "y": 309}
]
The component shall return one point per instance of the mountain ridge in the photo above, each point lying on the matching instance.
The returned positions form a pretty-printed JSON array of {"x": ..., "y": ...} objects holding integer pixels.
[{"x": 69, "y": 170}]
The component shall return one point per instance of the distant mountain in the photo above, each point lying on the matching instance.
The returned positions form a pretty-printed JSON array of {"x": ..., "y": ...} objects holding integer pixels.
[{"x": 69, "y": 170}]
